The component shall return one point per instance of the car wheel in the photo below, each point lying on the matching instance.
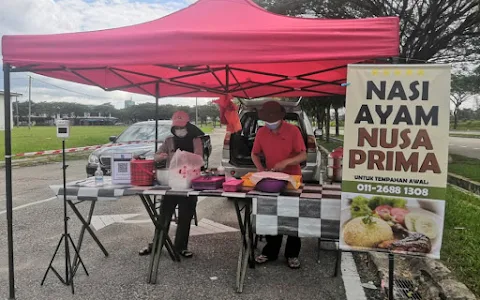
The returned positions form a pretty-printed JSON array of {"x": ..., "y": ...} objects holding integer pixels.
[{"x": 205, "y": 159}]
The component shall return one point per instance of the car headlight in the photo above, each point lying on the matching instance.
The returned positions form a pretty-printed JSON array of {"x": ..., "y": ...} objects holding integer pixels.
[{"x": 93, "y": 159}]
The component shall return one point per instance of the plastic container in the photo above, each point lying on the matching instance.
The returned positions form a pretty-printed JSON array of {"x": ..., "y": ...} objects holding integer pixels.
[
  {"x": 221, "y": 171},
  {"x": 269, "y": 185},
  {"x": 208, "y": 183},
  {"x": 162, "y": 177},
  {"x": 99, "y": 176},
  {"x": 142, "y": 172},
  {"x": 233, "y": 185}
]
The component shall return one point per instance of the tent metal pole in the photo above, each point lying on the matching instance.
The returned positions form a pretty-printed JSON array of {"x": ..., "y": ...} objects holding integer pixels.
[
  {"x": 8, "y": 177},
  {"x": 29, "y": 102},
  {"x": 227, "y": 78},
  {"x": 157, "y": 95}
]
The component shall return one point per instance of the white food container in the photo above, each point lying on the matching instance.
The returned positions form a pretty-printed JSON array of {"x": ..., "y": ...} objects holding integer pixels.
[{"x": 162, "y": 177}]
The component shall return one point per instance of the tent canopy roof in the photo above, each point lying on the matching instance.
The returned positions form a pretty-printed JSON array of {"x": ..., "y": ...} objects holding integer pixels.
[{"x": 209, "y": 48}]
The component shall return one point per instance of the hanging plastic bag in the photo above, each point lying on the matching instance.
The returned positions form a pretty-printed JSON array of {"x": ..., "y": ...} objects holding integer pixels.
[
  {"x": 229, "y": 113},
  {"x": 184, "y": 167}
]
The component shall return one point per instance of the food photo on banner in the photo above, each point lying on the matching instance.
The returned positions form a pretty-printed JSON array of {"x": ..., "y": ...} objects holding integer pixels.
[{"x": 395, "y": 158}]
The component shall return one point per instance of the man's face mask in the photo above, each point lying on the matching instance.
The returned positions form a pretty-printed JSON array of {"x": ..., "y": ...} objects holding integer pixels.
[
  {"x": 273, "y": 126},
  {"x": 181, "y": 132}
]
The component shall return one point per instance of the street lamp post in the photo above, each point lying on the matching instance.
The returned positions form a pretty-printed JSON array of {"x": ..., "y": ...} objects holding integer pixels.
[{"x": 196, "y": 111}]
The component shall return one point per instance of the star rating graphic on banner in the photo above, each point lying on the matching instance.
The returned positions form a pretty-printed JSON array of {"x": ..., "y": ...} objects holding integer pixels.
[{"x": 395, "y": 72}]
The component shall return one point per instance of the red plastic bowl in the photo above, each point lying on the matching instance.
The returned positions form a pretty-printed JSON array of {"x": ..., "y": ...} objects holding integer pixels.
[{"x": 269, "y": 185}]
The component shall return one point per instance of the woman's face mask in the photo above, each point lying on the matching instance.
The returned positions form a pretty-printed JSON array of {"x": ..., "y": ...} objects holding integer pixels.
[
  {"x": 181, "y": 133},
  {"x": 273, "y": 126}
]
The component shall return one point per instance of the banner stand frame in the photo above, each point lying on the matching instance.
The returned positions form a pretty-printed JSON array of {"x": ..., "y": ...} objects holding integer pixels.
[{"x": 391, "y": 268}]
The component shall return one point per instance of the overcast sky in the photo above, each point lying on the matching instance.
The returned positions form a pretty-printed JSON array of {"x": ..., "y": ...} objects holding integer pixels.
[{"x": 59, "y": 16}]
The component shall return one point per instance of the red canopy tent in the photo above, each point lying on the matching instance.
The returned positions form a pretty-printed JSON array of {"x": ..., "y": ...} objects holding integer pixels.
[{"x": 211, "y": 48}]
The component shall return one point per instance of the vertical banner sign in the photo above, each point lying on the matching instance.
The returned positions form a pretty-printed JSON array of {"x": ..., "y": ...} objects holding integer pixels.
[{"x": 395, "y": 158}]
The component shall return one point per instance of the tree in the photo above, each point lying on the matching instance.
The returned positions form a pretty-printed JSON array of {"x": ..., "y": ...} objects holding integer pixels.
[
  {"x": 463, "y": 87},
  {"x": 105, "y": 109},
  {"x": 212, "y": 111},
  {"x": 439, "y": 30},
  {"x": 319, "y": 108},
  {"x": 314, "y": 107}
]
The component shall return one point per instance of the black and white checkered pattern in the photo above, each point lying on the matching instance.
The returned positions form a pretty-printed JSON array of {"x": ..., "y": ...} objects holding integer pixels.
[
  {"x": 87, "y": 190},
  {"x": 314, "y": 213}
]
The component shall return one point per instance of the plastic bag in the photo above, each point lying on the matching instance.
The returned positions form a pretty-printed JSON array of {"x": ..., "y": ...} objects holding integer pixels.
[{"x": 184, "y": 167}]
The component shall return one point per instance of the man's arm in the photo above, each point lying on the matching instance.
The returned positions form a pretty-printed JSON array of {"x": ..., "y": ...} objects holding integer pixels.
[
  {"x": 257, "y": 162},
  {"x": 296, "y": 160},
  {"x": 256, "y": 150}
]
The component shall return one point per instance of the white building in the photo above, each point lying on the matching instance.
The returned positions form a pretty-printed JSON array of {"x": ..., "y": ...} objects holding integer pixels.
[{"x": 2, "y": 109}]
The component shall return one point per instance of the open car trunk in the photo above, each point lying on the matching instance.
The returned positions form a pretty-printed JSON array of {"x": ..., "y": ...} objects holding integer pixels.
[{"x": 241, "y": 143}]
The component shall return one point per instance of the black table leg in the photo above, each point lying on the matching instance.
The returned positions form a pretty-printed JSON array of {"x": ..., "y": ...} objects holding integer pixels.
[
  {"x": 160, "y": 238},
  {"x": 85, "y": 227},
  {"x": 248, "y": 221},
  {"x": 166, "y": 241},
  {"x": 246, "y": 253}
]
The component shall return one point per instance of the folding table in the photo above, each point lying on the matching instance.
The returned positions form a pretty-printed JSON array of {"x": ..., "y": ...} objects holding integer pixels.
[
  {"x": 255, "y": 212},
  {"x": 87, "y": 191}
]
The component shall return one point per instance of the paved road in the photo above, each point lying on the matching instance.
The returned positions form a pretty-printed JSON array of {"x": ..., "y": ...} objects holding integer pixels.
[
  {"x": 465, "y": 146},
  {"x": 209, "y": 275}
]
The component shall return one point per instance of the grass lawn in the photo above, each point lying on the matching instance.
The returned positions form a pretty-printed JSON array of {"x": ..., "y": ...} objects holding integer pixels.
[
  {"x": 461, "y": 239},
  {"x": 468, "y": 136},
  {"x": 330, "y": 146},
  {"x": 465, "y": 166},
  {"x": 467, "y": 125},
  {"x": 207, "y": 128},
  {"x": 44, "y": 138}
]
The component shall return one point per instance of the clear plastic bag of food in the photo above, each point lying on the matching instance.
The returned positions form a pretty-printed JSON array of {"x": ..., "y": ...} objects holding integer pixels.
[{"x": 184, "y": 167}]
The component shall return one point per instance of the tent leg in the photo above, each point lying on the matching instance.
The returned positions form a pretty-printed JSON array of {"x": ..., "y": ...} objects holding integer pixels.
[
  {"x": 157, "y": 94},
  {"x": 8, "y": 178}
]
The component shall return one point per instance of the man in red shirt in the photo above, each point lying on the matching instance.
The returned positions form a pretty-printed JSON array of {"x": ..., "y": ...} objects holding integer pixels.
[{"x": 284, "y": 150}]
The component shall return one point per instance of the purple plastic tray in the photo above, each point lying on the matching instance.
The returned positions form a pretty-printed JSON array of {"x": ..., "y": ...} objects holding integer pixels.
[{"x": 208, "y": 183}]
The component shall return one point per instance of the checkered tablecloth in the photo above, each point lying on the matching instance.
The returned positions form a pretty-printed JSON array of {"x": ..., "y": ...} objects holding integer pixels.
[
  {"x": 312, "y": 211},
  {"x": 87, "y": 190},
  {"x": 315, "y": 212}
]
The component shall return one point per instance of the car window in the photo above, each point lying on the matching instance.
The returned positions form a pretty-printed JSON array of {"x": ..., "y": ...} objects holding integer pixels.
[
  {"x": 144, "y": 132},
  {"x": 293, "y": 122}
]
